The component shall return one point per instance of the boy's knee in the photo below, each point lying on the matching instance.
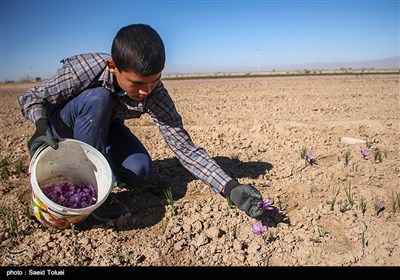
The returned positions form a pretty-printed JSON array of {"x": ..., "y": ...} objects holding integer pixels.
[
  {"x": 96, "y": 100},
  {"x": 100, "y": 96},
  {"x": 138, "y": 170}
]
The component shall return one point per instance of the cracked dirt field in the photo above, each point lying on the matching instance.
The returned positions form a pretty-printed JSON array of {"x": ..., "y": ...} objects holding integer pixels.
[{"x": 256, "y": 129}]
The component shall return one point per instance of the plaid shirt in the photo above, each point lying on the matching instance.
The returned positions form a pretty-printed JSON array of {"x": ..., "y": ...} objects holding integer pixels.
[{"x": 85, "y": 71}]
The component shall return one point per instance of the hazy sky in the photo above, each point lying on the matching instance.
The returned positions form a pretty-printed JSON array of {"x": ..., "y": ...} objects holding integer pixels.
[{"x": 200, "y": 36}]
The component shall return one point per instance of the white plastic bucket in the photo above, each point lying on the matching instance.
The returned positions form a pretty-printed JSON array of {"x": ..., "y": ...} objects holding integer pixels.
[{"x": 74, "y": 161}]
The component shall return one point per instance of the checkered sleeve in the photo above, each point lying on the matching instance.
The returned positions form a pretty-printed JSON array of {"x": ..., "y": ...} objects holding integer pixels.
[
  {"x": 77, "y": 73},
  {"x": 36, "y": 103},
  {"x": 194, "y": 158}
]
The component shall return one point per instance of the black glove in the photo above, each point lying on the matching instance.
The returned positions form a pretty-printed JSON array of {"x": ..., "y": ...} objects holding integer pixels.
[
  {"x": 245, "y": 197},
  {"x": 41, "y": 136}
]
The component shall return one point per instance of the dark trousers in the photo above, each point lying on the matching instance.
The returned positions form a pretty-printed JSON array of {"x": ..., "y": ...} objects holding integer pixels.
[{"x": 87, "y": 117}]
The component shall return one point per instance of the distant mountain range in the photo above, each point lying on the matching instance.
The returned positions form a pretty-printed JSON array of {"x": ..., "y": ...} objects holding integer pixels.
[{"x": 391, "y": 62}]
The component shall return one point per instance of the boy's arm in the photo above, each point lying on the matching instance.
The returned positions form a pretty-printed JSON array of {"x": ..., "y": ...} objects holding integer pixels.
[
  {"x": 78, "y": 73},
  {"x": 36, "y": 102},
  {"x": 196, "y": 160}
]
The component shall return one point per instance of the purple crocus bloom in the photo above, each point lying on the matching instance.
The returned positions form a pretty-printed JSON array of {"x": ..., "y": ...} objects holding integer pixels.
[
  {"x": 73, "y": 201},
  {"x": 309, "y": 157},
  {"x": 79, "y": 187},
  {"x": 67, "y": 188},
  {"x": 70, "y": 195},
  {"x": 90, "y": 191},
  {"x": 265, "y": 205},
  {"x": 380, "y": 204},
  {"x": 365, "y": 153},
  {"x": 258, "y": 228},
  {"x": 55, "y": 194}
]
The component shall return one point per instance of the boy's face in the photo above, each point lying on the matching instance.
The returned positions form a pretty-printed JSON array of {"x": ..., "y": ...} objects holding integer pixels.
[{"x": 136, "y": 87}]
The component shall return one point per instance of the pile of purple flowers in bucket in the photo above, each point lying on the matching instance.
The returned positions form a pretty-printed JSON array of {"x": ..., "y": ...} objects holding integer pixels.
[{"x": 71, "y": 195}]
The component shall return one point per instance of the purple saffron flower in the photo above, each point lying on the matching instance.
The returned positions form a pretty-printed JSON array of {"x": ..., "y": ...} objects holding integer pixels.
[
  {"x": 90, "y": 191},
  {"x": 67, "y": 188},
  {"x": 258, "y": 228},
  {"x": 265, "y": 205},
  {"x": 55, "y": 194},
  {"x": 365, "y": 153},
  {"x": 75, "y": 200},
  {"x": 310, "y": 158},
  {"x": 70, "y": 195},
  {"x": 380, "y": 204}
]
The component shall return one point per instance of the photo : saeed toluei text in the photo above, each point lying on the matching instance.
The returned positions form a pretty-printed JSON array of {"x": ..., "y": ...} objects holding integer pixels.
[{"x": 37, "y": 272}]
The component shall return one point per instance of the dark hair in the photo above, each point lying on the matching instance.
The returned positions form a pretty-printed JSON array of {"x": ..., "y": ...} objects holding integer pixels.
[{"x": 138, "y": 48}]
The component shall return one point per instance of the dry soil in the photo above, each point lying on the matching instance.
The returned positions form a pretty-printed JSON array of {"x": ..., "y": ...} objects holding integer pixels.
[{"x": 256, "y": 129}]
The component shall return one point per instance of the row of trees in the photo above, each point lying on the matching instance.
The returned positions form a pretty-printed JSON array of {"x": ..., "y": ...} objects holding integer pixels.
[{"x": 26, "y": 79}]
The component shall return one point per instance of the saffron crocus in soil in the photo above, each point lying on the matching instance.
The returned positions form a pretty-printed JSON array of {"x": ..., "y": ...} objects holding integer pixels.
[
  {"x": 310, "y": 158},
  {"x": 258, "y": 228},
  {"x": 380, "y": 204},
  {"x": 265, "y": 205},
  {"x": 365, "y": 153},
  {"x": 69, "y": 195}
]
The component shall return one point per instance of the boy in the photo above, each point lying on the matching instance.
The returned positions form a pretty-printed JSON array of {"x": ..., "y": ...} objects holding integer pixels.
[{"x": 92, "y": 94}]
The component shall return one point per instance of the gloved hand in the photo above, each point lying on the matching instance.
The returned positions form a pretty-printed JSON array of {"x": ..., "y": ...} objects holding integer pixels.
[
  {"x": 41, "y": 136},
  {"x": 245, "y": 197}
]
